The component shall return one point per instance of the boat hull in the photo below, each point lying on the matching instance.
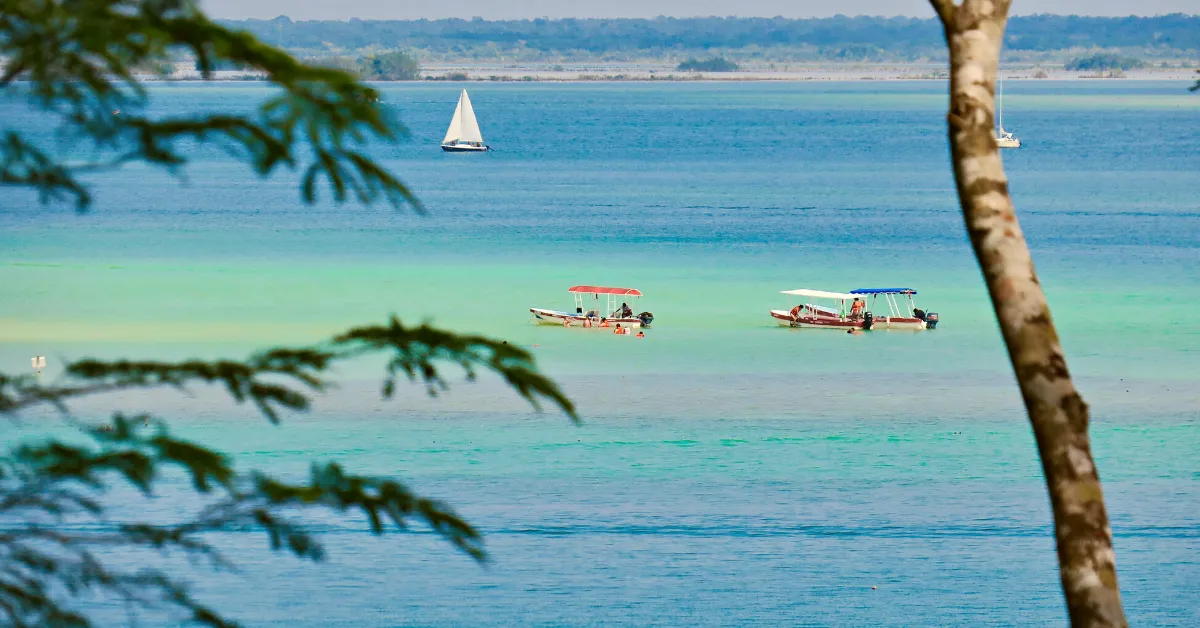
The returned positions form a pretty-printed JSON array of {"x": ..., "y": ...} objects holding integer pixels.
[
  {"x": 543, "y": 316},
  {"x": 464, "y": 149},
  {"x": 1007, "y": 143},
  {"x": 896, "y": 322},
  {"x": 784, "y": 318}
]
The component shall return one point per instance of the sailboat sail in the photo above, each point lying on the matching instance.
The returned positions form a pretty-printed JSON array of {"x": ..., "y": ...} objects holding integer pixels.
[
  {"x": 463, "y": 126},
  {"x": 455, "y": 130},
  {"x": 470, "y": 126}
]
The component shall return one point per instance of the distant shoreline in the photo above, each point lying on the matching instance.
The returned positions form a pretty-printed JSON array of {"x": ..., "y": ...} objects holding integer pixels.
[
  {"x": 599, "y": 72},
  {"x": 849, "y": 72}
]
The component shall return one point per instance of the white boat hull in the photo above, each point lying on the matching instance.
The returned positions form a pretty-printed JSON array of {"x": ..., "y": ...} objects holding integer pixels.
[
  {"x": 543, "y": 316},
  {"x": 1004, "y": 142},
  {"x": 785, "y": 319},
  {"x": 895, "y": 322}
]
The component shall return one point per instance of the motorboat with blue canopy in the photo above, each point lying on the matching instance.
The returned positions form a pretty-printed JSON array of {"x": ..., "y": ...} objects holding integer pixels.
[{"x": 902, "y": 310}]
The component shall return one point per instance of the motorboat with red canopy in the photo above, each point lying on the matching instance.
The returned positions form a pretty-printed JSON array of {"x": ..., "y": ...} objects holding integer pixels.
[{"x": 593, "y": 311}]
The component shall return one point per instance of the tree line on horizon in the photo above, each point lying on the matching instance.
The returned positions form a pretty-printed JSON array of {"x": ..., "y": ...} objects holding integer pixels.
[
  {"x": 715, "y": 64},
  {"x": 839, "y": 38},
  {"x": 389, "y": 65}
]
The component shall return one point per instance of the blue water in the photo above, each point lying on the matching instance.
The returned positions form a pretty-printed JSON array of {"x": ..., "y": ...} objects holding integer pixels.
[{"x": 728, "y": 472}]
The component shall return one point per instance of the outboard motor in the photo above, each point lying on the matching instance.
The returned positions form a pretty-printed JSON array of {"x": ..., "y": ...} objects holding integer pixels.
[
  {"x": 931, "y": 320},
  {"x": 646, "y": 318},
  {"x": 868, "y": 320}
]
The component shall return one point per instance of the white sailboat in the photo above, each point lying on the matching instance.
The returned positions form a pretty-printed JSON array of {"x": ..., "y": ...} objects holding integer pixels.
[
  {"x": 463, "y": 136},
  {"x": 1004, "y": 139}
]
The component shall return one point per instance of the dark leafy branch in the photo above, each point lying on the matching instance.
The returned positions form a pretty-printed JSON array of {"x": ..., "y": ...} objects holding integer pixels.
[
  {"x": 45, "y": 565},
  {"x": 45, "y": 486},
  {"x": 283, "y": 378},
  {"x": 416, "y": 351},
  {"x": 79, "y": 60}
]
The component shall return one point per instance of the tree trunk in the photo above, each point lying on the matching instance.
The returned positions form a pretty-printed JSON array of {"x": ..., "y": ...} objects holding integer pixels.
[{"x": 1087, "y": 564}]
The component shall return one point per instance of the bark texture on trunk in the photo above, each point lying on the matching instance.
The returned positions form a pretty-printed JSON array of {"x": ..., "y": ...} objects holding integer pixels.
[{"x": 1059, "y": 416}]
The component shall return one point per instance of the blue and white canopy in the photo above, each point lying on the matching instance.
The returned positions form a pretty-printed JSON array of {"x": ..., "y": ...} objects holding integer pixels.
[{"x": 883, "y": 291}]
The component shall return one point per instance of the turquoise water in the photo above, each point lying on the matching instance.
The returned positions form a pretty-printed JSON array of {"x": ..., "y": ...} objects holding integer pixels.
[{"x": 728, "y": 471}]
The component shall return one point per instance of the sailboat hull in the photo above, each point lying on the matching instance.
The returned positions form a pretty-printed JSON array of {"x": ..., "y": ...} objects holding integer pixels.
[
  {"x": 464, "y": 149},
  {"x": 1002, "y": 142}
]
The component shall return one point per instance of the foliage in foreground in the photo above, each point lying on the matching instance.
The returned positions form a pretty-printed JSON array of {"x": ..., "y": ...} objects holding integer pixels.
[
  {"x": 80, "y": 57},
  {"x": 56, "y": 528},
  {"x": 77, "y": 61}
]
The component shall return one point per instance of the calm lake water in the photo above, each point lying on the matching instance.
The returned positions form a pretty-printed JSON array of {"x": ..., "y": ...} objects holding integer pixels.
[{"x": 728, "y": 472}]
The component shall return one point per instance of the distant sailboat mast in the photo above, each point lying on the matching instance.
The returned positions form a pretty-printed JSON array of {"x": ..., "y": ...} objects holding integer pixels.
[
  {"x": 1000, "y": 105},
  {"x": 1004, "y": 139}
]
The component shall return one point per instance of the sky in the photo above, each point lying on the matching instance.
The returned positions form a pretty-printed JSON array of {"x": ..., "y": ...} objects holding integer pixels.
[{"x": 519, "y": 9}]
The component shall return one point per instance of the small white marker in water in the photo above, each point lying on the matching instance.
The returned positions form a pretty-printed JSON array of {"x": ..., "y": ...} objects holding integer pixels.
[{"x": 39, "y": 363}]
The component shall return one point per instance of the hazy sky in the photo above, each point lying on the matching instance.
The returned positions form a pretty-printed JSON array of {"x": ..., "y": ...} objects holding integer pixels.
[{"x": 510, "y": 9}]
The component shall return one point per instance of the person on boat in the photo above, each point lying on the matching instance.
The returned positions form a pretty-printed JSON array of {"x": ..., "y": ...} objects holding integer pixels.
[
  {"x": 623, "y": 312},
  {"x": 919, "y": 314},
  {"x": 856, "y": 309},
  {"x": 796, "y": 311}
]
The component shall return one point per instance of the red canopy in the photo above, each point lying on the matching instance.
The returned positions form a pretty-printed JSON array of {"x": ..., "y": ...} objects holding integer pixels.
[{"x": 604, "y": 290}]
